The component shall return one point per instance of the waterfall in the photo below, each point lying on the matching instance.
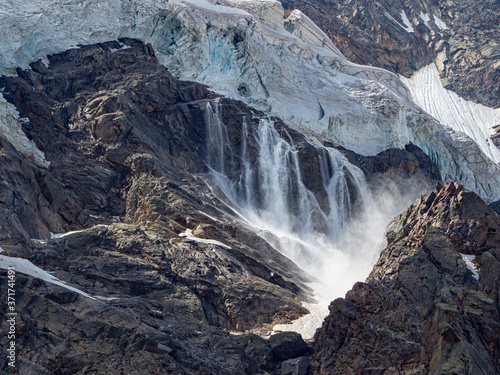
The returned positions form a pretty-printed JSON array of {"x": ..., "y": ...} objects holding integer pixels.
[
  {"x": 305, "y": 199},
  {"x": 263, "y": 179}
]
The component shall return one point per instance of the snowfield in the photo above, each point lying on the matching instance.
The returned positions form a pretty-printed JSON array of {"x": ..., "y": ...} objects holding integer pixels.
[{"x": 475, "y": 120}]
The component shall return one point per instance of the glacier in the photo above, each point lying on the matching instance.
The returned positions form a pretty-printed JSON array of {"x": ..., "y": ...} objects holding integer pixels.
[
  {"x": 247, "y": 50},
  {"x": 475, "y": 120}
]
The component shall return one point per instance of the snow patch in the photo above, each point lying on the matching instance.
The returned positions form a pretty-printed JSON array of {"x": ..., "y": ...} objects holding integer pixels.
[
  {"x": 307, "y": 324},
  {"x": 11, "y": 129},
  {"x": 113, "y": 50},
  {"x": 425, "y": 17},
  {"x": 189, "y": 235},
  {"x": 471, "y": 265},
  {"x": 101, "y": 298},
  {"x": 440, "y": 23},
  {"x": 475, "y": 120},
  {"x": 409, "y": 28},
  {"x": 210, "y": 217},
  {"x": 28, "y": 268},
  {"x": 54, "y": 236}
]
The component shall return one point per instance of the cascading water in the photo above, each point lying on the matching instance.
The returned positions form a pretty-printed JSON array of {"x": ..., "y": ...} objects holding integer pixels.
[
  {"x": 270, "y": 192},
  {"x": 263, "y": 178}
]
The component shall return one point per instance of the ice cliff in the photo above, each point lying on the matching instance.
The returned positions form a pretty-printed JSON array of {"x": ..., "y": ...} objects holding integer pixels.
[{"x": 248, "y": 51}]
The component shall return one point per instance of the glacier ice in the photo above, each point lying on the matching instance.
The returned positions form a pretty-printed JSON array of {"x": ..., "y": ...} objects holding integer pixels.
[
  {"x": 461, "y": 148},
  {"x": 248, "y": 51},
  {"x": 475, "y": 120}
]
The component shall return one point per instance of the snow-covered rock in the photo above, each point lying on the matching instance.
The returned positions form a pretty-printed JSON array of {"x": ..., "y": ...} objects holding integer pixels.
[
  {"x": 248, "y": 51},
  {"x": 11, "y": 129}
]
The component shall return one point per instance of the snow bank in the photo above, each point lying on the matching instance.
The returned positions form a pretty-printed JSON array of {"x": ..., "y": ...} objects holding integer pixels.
[
  {"x": 469, "y": 262},
  {"x": 189, "y": 236},
  {"x": 440, "y": 23},
  {"x": 28, "y": 268},
  {"x": 61, "y": 235},
  {"x": 409, "y": 28}
]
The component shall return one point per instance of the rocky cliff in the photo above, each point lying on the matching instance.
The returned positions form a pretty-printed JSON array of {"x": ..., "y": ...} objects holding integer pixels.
[
  {"x": 157, "y": 226},
  {"x": 164, "y": 269},
  {"x": 431, "y": 303},
  {"x": 248, "y": 51},
  {"x": 106, "y": 184}
]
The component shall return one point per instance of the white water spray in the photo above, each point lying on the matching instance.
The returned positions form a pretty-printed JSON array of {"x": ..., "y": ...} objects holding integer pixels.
[{"x": 332, "y": 233}]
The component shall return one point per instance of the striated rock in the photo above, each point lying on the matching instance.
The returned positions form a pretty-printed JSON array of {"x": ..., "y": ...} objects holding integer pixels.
[
  {"x": 298, "y": 366},
  {"x": 423, "y": 309},
  {"x": 405, "y": 170}
]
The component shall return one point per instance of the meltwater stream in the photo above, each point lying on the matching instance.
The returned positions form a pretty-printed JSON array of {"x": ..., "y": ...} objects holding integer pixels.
[{"x": 331, "y": 232}]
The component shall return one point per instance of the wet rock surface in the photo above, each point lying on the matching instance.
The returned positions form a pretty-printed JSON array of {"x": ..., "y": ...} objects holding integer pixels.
[
  {"x": 461, "y": 37},
  {"x": 422, "y": 309},
  {"x": 407, "y": 170}
]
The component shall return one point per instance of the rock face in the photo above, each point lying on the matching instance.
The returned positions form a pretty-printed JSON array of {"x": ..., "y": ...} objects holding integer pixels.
[
  {"x": 431, "y": 303},
  {"x": 461, "y": 37},
  {"x": 113, "y": 154},
  {"x": 123, "y": 169},
  {"x": 408, "y": 169}
]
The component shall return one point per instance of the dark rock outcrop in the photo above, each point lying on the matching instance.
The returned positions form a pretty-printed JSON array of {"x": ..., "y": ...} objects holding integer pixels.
[
  {"x": 465, "y": 47},
  {"x": 127, "y": 147},
  {"x": 287, "y": 345},
  {"x": 408, "y": 170},
  {"x": 422, "y": 310}
]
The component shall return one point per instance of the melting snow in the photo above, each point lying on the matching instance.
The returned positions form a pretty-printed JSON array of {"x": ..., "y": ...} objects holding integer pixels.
[
  {"x": 469, "y": 261},
  {"x": 307, "y": 324},
  {"x": 475, "y": 120},
  {"x": 210, "y": 217},
  {"x": 189, "y": 235},
  {"x": 113, "y": 50},
  {"x": 61, "y": 235},
  {"x": 408, "y": 27},
  {"x": 28, "y": 268}
]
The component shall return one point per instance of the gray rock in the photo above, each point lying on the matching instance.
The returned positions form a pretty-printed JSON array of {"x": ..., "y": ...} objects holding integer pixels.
[
  {"x": 286, "y": 345},
  {"x": 296, "y": 366},
  {"x": 421, "y": 310}
]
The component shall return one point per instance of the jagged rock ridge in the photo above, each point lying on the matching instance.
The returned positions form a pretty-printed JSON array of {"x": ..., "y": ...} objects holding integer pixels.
[
  {"x": 117, "y": 168},
  {"x": 124, "y": 139},
  {"x": 426, "y": 307}
]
